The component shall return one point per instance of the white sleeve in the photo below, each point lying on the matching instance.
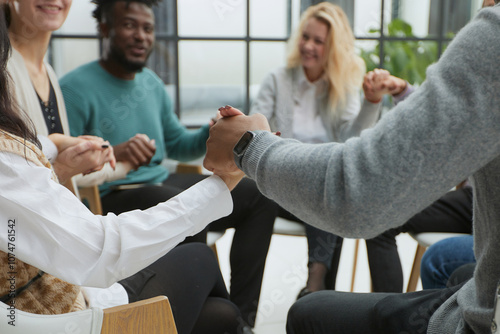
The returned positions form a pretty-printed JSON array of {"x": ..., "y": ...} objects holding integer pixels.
[
  {"x": 106, "y": 174},
  {"x": 56, "y": 233},
  {"x": 49, "y": 149}
]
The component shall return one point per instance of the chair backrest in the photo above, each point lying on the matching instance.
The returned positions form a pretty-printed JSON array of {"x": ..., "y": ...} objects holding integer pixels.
[
  {"x": 92, "y": 197},
  {"x": 150, "y": 316}
]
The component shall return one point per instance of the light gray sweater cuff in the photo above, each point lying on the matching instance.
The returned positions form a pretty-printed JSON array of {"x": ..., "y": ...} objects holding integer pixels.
[{"x": 260, "y": 143}]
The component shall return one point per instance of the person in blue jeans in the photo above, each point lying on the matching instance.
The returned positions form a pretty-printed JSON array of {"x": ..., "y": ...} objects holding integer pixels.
[{"x": 444, "y": 261}]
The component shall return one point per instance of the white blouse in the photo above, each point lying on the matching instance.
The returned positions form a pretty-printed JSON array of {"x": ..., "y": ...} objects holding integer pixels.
[
  {"x": 308, "y": 126},
  {"x": 53, "y": 231}
]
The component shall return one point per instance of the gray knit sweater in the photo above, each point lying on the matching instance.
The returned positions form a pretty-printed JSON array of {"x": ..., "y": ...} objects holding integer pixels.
[{"x": 446, "y": 131}]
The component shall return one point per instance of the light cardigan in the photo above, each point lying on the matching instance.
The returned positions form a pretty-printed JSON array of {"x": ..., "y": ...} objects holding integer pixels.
[
  {"x": 27, "y": 99},
  {"x": 446, "y": 131},
  {"x": 26, "y": 95},
  {"x": 46, "y": 295},
  {"x": 281, "y": 89}
]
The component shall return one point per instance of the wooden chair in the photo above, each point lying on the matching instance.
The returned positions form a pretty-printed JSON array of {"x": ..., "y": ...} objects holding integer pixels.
[
  {"x": 91, "y": 196},
  {"x": 150, "y": 316}
]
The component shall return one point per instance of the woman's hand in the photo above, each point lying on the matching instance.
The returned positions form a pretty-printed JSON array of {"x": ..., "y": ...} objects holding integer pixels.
[
  {"x": 379, "y": 82},
  {"x": 77, "y": 155}
]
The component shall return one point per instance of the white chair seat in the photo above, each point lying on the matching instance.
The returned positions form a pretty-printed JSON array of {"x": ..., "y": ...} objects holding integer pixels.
[
  {"x": 288, "y": 227},
  {"x": 429, "y": 238}
]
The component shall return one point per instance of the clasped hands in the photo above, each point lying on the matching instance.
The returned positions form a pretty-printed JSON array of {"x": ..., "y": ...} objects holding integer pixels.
[
  {"x": 379, "y": 82},
  {"x": 84, "y": 154},
  {"x": 223, "y": 137}
]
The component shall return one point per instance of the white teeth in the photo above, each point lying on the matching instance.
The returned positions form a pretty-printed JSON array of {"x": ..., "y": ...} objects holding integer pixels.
[{"x": 50, "y": 7}]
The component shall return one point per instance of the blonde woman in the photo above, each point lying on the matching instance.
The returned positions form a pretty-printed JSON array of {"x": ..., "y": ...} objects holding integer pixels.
[{"x": 316, "y": 98}]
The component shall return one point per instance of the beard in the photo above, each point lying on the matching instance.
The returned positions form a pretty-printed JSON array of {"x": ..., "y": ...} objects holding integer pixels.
[{"x": 132, "y": 66}]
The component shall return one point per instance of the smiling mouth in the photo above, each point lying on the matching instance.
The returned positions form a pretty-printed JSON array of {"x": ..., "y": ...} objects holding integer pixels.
[
  {"x": 50, "y": 8},
  {"x": 138, "y": 51},
  {"x": 308, "y": 56}
]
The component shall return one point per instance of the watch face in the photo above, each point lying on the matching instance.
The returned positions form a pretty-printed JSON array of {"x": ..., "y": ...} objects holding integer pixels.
[{"x": 243, "y": 142}]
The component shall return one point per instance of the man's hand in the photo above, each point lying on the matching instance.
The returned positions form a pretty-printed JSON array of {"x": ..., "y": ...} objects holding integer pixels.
[
  {"x": 138, "y": 150},
  {"x": 223, "y": 137},
  {"x": 379, "y": 82}
]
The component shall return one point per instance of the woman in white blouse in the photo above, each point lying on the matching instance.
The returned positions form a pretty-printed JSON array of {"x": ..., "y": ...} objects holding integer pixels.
[
  {"x": 64, "y": 258},
  {"x": 316, "y": 99}
]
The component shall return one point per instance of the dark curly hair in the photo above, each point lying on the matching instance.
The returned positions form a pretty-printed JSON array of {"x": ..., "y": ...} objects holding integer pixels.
[{"x": 104, "y": 7}]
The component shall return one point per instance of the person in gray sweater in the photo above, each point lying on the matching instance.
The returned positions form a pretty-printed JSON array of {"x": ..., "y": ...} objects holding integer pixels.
[{"x": 446, "y": 131}]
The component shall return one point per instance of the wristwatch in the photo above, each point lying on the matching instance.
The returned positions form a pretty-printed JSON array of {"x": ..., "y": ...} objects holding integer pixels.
[{"x": 241, "y": 146}]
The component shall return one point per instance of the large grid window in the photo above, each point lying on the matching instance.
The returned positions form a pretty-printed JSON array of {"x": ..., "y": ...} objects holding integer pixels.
[{"x": 216, "y": 52}]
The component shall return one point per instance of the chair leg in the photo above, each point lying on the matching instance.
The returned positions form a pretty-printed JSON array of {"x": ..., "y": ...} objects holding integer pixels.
[
  {"x": 354, "y": 264},
  {"x": 214, "y": 248},
  {"x": 415, "y": 269}
]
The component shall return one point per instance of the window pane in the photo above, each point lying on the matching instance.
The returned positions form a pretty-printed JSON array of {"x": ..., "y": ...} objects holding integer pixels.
[
  {"x": 70, "y": 53},
  {"x": 212, "y": 18},
  {"x": 211, "y": 74},
  {"x": 80, "y": 20},
  {"x": 369, "y": 51},
  {"x": 367, "y": 18},
  {"x": 409, "y": 60},
  {"x": 409, "y": 18},
  {"x": 264, "y": 57},
  {"x": 164, "y": 17},
  {"x": 269, "y": 20},
  {"x": 162, "y": 61}
]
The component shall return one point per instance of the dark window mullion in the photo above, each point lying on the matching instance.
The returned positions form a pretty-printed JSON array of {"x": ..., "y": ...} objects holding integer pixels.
[
  {"x": 176, "y": 47},
  {"x": 382, "y": 36},
  {"x": 442, "y": 26},
  {"x": 247, "y": 79}
]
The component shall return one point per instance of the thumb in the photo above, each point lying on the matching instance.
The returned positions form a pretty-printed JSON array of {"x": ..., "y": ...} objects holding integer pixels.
[
  {"x": 229, "y": 111},
  {"x": 83, "y": 147}
]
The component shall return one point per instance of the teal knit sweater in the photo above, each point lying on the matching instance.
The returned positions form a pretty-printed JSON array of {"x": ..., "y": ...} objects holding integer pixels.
[{"x": 102, "y": 105}]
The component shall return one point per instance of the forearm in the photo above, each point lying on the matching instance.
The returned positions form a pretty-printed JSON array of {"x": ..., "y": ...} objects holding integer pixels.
[
  {"x": 62, "y": 237},
  {"x": 107, "y": 174},
  {"x": 409, "y": 89},
  {"x": 366, "y": 118},
  {"x": 189, "y": 146}
]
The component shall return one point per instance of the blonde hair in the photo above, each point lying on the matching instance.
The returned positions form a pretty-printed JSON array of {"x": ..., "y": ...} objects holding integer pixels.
[{"x": 343, "y": 68}]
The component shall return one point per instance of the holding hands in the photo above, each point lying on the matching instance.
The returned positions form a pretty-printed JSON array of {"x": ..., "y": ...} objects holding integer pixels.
[
  {"x": 223, "y": 137},
  {"x": 379, "y": 82},
  {"x": 85, "y": 154}
]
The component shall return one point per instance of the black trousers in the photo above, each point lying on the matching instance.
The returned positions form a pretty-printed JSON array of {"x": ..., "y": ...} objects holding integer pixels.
[
  {"x": 332, "y": 312},
  {"x": 189, "y": 276},
  {"x": 252, "y": 217},
  {"x": 451, "y": 213}
]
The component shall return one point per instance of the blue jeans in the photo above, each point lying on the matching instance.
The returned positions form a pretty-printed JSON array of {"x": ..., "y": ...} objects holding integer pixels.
[{"x": 443, "y": 258}]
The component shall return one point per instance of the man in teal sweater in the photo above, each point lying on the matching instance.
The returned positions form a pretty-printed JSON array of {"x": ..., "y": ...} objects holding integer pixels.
[{"x": 119, "y": 99}]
